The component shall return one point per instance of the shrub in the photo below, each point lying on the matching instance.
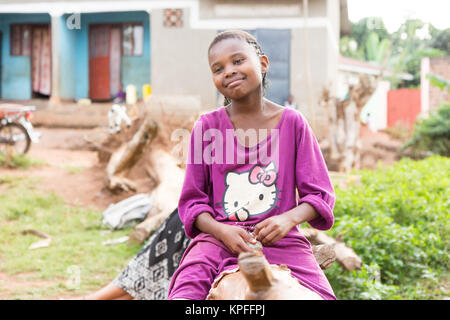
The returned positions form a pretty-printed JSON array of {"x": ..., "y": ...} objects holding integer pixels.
[
  {"x": 432, "y": 134},
  {"x": 397, "y": 221}
]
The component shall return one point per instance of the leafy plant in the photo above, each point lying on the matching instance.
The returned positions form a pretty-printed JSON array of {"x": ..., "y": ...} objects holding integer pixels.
[
  {"x": 439, "y": 82},
  {"x": 432, "y": 134},
  {"x": 397, "y": 221},
  {"x": 376, "y": 49}
]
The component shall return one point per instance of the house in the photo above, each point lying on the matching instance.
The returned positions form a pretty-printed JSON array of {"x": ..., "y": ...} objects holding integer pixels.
[
  {"x": 71, "y": 56},
  {"x": 385, "y": 108},
  {"x": 85, "y": 49},
  {"x": 432, "y": 96}
]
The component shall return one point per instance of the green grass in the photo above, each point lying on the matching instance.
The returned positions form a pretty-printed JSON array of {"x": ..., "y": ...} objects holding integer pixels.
[
  {"x": 73, "y": 169},
  {"x": 76, "y": 235},
  {"x": 21, "y": 161}
]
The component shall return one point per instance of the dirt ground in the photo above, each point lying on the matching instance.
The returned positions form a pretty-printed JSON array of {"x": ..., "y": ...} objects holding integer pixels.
[{"x": 73, "y": 171}]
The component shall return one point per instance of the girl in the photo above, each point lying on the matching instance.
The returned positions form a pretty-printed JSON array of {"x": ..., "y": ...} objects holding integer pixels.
[{"x": 227, "y": 204}]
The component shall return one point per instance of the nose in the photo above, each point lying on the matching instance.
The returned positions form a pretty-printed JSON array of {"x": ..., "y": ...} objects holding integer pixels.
[{"x": 229, "y": 71}]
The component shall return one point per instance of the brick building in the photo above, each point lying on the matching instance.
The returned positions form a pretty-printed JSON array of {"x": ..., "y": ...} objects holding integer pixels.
[{"x": 433, "y": 96}]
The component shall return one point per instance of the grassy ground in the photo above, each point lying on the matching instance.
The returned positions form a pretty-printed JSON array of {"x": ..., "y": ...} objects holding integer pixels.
[
  {"x": 73, "y": 264},
  {"x": 21, "y": 162}
]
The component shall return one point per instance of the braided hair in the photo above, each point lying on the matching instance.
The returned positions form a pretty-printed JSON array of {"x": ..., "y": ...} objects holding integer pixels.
[{"x": 247, "y": 37}]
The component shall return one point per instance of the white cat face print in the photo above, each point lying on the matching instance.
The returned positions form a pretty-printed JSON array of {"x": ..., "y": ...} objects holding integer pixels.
[{"x": 250, "y": 193}]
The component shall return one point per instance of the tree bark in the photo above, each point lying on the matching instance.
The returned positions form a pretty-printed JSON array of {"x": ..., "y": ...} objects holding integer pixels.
[
  {"x": 127, "y": 155},
  {"x": 170, "y": 176},
  {"x": 344, "y": 125},
  {"x": 345, "y": 256}
]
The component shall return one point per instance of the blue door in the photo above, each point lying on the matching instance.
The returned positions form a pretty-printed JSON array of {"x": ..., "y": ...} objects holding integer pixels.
[{"x": 276, "y": 44}]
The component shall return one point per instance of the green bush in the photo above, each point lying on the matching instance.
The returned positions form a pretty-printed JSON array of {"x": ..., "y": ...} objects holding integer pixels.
[
  {"x": 432, "y": 134},
  {"x": 397, "y": 221}
]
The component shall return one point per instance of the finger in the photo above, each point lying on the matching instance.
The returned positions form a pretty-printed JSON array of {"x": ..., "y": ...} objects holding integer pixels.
[
  {"x": 260, "y": 226},
  {"x": 248, "y": 237},
  {"x": 264, "y": 232},
  {"x": 272, "y": 237}
]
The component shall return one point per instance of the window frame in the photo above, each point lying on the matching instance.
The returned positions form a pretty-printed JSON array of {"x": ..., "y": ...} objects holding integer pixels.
[
  {"x": 20, "y": 39},
  {"x": 133, "y": 25}
]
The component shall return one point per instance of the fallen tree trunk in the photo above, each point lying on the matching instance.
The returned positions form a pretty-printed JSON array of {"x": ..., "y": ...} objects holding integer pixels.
[
  {"x": 127, "y": 155},
  {"x": 345, "y": 256},
  {"x": 164, "y": 197}
]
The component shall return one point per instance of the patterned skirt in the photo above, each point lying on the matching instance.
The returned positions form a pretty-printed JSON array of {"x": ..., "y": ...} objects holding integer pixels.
[{"x": 147, "y": 276}]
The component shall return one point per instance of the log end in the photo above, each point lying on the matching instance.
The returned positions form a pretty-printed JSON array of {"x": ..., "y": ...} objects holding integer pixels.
[
  {"x": 325, "y": 255},
  {"x": 256, "y": 270}
]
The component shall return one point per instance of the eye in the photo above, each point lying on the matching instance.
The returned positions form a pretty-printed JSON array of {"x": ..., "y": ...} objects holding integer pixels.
[
  {"x": 236, "y": 204},
  {"x": 217, "y": 70},
  {"x": 238, "y": 61},
  {"x": 261, "y": 196}
]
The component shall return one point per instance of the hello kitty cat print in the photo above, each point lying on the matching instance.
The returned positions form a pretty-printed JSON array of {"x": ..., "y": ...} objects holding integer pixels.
[{"x": 250, "y": 193}]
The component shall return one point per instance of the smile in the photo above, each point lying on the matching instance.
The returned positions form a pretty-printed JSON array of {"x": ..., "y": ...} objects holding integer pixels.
[{"x": 235, "y": 83}]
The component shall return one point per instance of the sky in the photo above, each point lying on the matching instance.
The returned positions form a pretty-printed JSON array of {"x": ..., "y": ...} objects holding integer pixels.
[{"x": 394, "y": 12}]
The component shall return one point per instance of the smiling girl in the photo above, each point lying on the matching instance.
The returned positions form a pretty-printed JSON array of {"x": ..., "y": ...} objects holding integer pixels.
[{"x": 224, "y": 207}]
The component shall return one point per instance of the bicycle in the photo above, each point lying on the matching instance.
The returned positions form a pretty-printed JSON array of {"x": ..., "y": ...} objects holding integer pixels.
[{"x": 16, "y": 130}]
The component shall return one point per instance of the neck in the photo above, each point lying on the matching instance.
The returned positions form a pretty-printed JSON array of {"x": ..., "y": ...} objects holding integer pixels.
[{"x": 251, "y": 104}]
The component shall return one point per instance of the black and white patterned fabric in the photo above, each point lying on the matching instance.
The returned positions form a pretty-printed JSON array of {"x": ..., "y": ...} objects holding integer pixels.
[{"x": 147, "y": 275}]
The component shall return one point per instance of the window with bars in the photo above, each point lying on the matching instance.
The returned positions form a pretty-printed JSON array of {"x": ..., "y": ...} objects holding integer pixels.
[
  {"x": 20, "y": 40},
  {"x": 132, "y": 39}
]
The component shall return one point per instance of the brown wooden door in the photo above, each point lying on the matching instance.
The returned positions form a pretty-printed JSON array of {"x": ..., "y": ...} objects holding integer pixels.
[{"x": 99, "y": 71}]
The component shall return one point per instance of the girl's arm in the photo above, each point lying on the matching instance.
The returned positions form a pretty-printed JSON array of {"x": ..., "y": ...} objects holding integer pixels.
[
  {"x": 194, "y": 199},
  {"x": 311, "y": 177},
  {"x": 274, "y": 228},
  {"x": 314, "y": 187}
]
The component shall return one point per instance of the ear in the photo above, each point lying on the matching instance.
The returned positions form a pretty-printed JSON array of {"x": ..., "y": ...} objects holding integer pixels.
[
  {"x": 231, "y": 178},
  {"x": 264, "y": 64}
]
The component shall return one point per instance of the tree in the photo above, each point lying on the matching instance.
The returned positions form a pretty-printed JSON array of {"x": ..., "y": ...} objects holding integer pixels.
[
  {"x": 409, "y": 48},
  {"x": 362, "y": 30},
  {"x": 376, "y": 49},
  {"x": 440, "y": 39}
]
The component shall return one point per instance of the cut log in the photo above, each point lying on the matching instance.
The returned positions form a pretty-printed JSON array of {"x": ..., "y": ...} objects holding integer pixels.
[
  {"x": 325, "y": 255},
  {"x": 256, "y": 279},
  {"x": 164, "y": 197},
  {"x": 127, "y": 155},
  {"x": 345, "y": 256}
]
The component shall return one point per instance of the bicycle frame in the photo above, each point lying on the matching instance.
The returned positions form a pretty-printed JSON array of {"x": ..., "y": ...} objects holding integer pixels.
[{"x": 21, "y": 115}]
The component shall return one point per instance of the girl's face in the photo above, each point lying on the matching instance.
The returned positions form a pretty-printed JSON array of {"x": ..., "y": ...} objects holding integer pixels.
[{"x": 236, "y": 68}]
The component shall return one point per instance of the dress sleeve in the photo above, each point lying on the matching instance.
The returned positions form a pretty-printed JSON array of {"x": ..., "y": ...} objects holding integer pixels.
[
  {"x": 194, "y": 198},
  {"x": 312, "y": 180}
]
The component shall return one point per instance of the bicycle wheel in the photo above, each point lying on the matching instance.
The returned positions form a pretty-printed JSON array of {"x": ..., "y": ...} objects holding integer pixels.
[{"x": 16, "y": 136}]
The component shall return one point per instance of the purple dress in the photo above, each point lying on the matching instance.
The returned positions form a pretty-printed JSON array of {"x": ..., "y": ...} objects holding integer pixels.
[{"x": 245, "y": 185}]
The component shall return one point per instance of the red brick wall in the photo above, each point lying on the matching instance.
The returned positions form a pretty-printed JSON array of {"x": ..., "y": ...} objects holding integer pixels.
[
  {"x": 403, "y": 107},
  {"x": 439, "y": 66}
]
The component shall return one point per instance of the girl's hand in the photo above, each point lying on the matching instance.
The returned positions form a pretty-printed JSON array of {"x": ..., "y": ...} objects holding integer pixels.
[
  {"x": 235, "y": 238},
  {"x": 274, "y": 228}
]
